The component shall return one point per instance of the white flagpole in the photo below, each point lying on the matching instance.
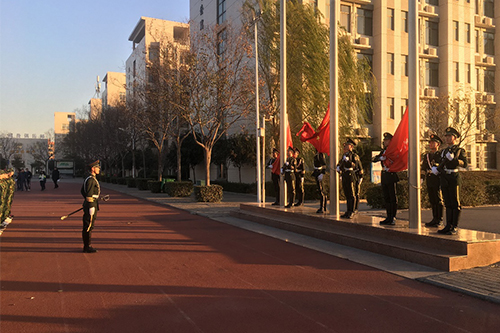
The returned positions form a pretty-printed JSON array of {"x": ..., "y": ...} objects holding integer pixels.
[
  {"x": 283, "y": 109},
  {"x": 257, "y": 116},
  {"x": 413, "y": 118},
  {"x": 334, "y": 116}
]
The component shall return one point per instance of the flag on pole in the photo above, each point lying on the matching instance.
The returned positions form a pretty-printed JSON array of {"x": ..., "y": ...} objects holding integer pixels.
[
  {"x": 289, "y": 142},
  {"x": 397, "y": 152},
  {"x": 319, "y": 138}
]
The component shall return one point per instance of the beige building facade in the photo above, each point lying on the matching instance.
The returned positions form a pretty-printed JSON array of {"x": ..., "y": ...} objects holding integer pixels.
[
  {"x": 458, "y": 60},
  {"x": 62, "y": 123}
]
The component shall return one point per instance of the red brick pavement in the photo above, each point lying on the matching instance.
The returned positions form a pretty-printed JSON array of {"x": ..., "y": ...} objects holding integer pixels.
[{"x": 160, "y": 269}]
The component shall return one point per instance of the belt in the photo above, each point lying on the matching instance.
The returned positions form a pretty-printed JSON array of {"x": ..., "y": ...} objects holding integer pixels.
[
  {"x": 450, "y": 171},
  {"x": 319, "y": 168},
  {"x": 348, "y": 169},
  {"x": 288, "y": 170}
]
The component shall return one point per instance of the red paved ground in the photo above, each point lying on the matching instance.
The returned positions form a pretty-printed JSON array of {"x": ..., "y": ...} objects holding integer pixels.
[{"x": 160, "y": 269}]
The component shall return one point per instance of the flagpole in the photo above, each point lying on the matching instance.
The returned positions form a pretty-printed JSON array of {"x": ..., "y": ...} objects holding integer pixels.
[
  {"x": 413, "y": 118},
  {"x": 283, "y": 108},
  {"x": 334, "y": 125}
]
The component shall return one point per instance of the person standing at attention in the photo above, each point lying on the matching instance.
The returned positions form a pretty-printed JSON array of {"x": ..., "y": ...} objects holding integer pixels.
[
  {"x": 90, "y": 192},
  {"x": 299, "y": 177},
  {"x": 432, "y": 181}
]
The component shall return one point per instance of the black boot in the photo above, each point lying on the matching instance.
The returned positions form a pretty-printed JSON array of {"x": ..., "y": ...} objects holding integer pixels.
[
  {"x": 320, "y": 210},
  {"x": 86, "y": 243},
  {"x": 449, "y": 222},
  {"x": 435, "y": 222}
]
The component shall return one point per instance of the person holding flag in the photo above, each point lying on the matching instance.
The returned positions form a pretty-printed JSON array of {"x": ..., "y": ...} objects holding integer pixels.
[{"x": 350, "y": 169}]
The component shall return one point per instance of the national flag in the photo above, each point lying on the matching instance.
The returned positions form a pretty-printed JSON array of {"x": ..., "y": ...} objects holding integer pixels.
[
  {"x": 320, "y": 138},
  {"x": 397, "y": 152}
]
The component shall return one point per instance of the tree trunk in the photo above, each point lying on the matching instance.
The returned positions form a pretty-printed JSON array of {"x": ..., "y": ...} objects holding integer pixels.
[
  {"x": 239, "y": 173},
  {"x": 208, "y": 157},
  {"x": 160, "y": 166},
  {"x": 179, "y": 174}
]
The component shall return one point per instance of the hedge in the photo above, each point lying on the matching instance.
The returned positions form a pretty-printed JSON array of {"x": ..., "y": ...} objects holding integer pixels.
[
  {"x": 154, "y": 186},
  {"x": 130, "y": 182},
  {"x": 211, "y": 193},
  {"x": 236, "y": 187},
  {"x": 142, "y": 183},
  {"x": 178, "y": 189}
]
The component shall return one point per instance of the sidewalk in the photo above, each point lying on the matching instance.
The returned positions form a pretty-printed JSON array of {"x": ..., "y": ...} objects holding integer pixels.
[{"x": 481, "y": 282}]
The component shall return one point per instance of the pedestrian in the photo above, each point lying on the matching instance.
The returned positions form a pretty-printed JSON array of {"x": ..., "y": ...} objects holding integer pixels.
[
  {"x": 289, "y": 172},
  {"x": 350, "y": 169},
  {"x": 274, "y": 165},
  {"x": 8, "y": 185},
  {"x": 429, "y": 160},
  {"x": 55, "y": 177},
  {"x": 21, "y": 179},
  {"x": 28, "y": 177},
  {"x": 299, "y": 177},
  {"x": 319, "y": 163},
  {"x": 90, "y": 192},
  {"x": 43, "y": 179},
  {"x": 452, "y": 158},
  {"x": 388, "y": 180}
]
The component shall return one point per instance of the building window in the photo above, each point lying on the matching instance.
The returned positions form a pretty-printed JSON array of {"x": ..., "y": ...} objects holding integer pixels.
[
  {"x": 390, "y": 104},
  {"x": 489, "y": 81},
  {"x": 154, "y": 51},
  {"x": 345, "y": 17},
  {"x": 404, "y": 14},
  {"x": 468, "y": 69},
  {"x": 432, "y": 2},
  {"x": 365, "y": 21},
  {"x": 478, "y": 81},
  {"x": 432, "y": 33},
  {"x": 390, "y": 19},
  {"x": 221, "y": 11},
  {"x": 478, "y": 118},
  {"x": 490, "y": 158},
  {"x": 489, "y": 43},
  {"x": 432, "y": 74},
  {"x": 456, "y": 31},
  {"x": 201, "y": 9},
  {"x": 467, "y": 32},
  {"x": 133, "y": 69},
  {"x": 390, "y": 63},
  {"x": 457, "y": 71},
  {"x": 404, "y": 65},
  {"x": 366, "y": 57},
  {"x": 221, "y": 45},
  {"x": 489, "y": 8},
  {"x": 477, "y": 40}
]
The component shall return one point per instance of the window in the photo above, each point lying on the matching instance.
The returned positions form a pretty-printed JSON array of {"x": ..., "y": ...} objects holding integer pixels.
[
  {"x": 404, "y": 65},
  {"x": 133, "y": 69},
  {"x": 432, "y": 2},
  {"x": 467, "y": 32},
  {"x": 489, "y": 43},
  {"x": 390, "y": 104},
  {"x": 366, "y": 57},
  {"x": 490, "y": 158},
  {"x": 345, "y": 17},
  {"x": 432, "y": 74},
  {"x": 390, "y": 63},
  {"x": 477, "y": 7},
  {"x": 404, "y": 14},
  {"x": 221, "y": 11},
  {"x": 201, "y": 9},
  {"x": 489, "y": 8},
  {"x": 489, "y": 121},
  {"x": 489, "y": 81},
  {"x": 468, "y": 74},
  {"x": 365, "y": 21},
  {"x": 221, "y": 46},
  {"x": 478, "y": 81},
  {"x": 431, "y": 33},
  {"x": 390, "y": 19},
  {"x": 456, "y": 32},
  {"x": 477, "y": 40},
  {"x": 457, "y": 71},
  {"x": 154, "y": 51}
]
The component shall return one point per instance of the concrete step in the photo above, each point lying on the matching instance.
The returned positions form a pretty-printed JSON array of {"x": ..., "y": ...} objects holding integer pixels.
[{"x": 448, "y": 253}]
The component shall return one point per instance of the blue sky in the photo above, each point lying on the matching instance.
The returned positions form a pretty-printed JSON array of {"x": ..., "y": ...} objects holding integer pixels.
[{"x": 51, "y": 52}]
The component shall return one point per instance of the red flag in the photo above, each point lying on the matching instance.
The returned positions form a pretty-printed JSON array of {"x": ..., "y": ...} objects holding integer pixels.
[
  {"x": 320, "y": 138},
  {"x": 289, "y": 142},
  {"x": 397, "y": 152}
]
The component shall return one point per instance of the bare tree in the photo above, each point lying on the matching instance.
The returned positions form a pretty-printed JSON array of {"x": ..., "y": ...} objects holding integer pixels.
[
  {"x": 40, "y": 152},
  {"x": 220, "y": 85},
  {"x": 7, "y": 147}
]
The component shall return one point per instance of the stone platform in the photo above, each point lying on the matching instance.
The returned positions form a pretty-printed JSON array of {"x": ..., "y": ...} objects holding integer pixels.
[{"x": 467, "y": 249}]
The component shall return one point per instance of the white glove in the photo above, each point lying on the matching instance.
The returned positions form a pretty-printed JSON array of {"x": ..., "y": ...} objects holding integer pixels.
[
  {"x": 434, "y": 170},
  {"x": 338, "y": 169},
  {"x": 320, "y": 177},
  {"x": 286, "y": 163},
  {"x": 270, "y": 166},
  {"x": 345, "y": 158},
  {"x": 450, "y": 156},
  {"x": 281, "y": 170},
  {"x": 382, "y": 158},
  {"x": 92, "y": 211},
  {"x": 421, "y": 181},
  {"x": 386, "y": 168}
]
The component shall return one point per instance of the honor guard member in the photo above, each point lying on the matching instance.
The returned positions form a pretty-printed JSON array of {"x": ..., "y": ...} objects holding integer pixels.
[
  {"x": 388, "y": 181},
  {"x": 90, "y": 192},
  {"x": 432, "y": 181},
  {"x": 299, "y": 177},
  {"x": 289, "y": 172},
  {"x": 319, "y": 163},
  {"x": 452, "y": 157},
  {"x": 350, "y": 168},
  {"x": 274, "y": 165}
]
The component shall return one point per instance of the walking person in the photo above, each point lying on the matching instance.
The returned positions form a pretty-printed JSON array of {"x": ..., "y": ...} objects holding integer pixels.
[
  {"x": 21, "y": 179},
  {"x": 452, "y": 158},
  {"x": 42, "y": 178},
  {"x": 429, "y": 160},
  {"x": 299, "y": 177},
  {"x": 388, "y": 180},
  {"x": 274, "y": 165},
  {"x": 289, "y": 171},
  {"x": 319, "y": 163},
  {"x": 29, "y": 175},
  {"x": 55, "y": 177},
  {"x": 90, "y": 192},
  {"x": 350, "y": 168}
]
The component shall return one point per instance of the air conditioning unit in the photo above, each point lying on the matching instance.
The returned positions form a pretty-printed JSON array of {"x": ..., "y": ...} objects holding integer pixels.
[
  {"x": 432, "y": 51},
  {"x": 489, "y": 60},
  {"x": 422, "y": 92},
  {"x": 364, "y": 41},
  {"x": 488, "y": 21},
  {"x": 420, "y": 7},
  {"x": 478, "y": 58},
  {"x": 429, "y": 92},
  {"x": 430, "y": 9},
  {"x": 477, "y": 20},
  {"x": 489, "y": 98}
]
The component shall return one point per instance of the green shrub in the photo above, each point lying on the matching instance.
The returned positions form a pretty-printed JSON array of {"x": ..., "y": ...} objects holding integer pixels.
[
  {"x": 473, "y": 193},
  {"x": 114, "y": 180},
  {"x": 142, "y": 183},
  {"x": 130, "y": 182},
  {"x": 237, "y": 187},
  {"x": 154, "y": 186},
  {"x": 493, "y": 193},
  {"x": 212, "y": 193},
  {"x": 121, "y": 181},
  {"x": 178, "y": 189}
]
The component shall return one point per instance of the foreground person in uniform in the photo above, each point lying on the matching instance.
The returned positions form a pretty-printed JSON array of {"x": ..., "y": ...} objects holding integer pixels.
[
  {"x": 452, "y": 157},
  {"x": 90, "y": 192},
  {"x": 289, "y": 171},
  {"x": 318, "y": 174},
  {"x": 429, "y": 160},
  {"x": 350, "y": 169},
  {"x": 299, "y": 177}
]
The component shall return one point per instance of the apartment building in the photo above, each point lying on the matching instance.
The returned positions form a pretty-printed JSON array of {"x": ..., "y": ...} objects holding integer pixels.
[
  {"x": 458, "y": 60},
  {"x": 114, "y": 89},
  {"x": 62, "y": 122}
]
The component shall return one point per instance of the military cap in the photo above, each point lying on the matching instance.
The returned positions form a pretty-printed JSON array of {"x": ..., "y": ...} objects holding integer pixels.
[
  {"x": 94, "y": 164},
  {"x": 296, "y": 149},
  {"x": 451, "y": 131},
  {"x": 436, "y": 138},
  {"x": 275, "y": 150},
  {"x": 387, "y": 136},
  {"x": 290, "y": 148},
  {"x": 350, "y": 142}
]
